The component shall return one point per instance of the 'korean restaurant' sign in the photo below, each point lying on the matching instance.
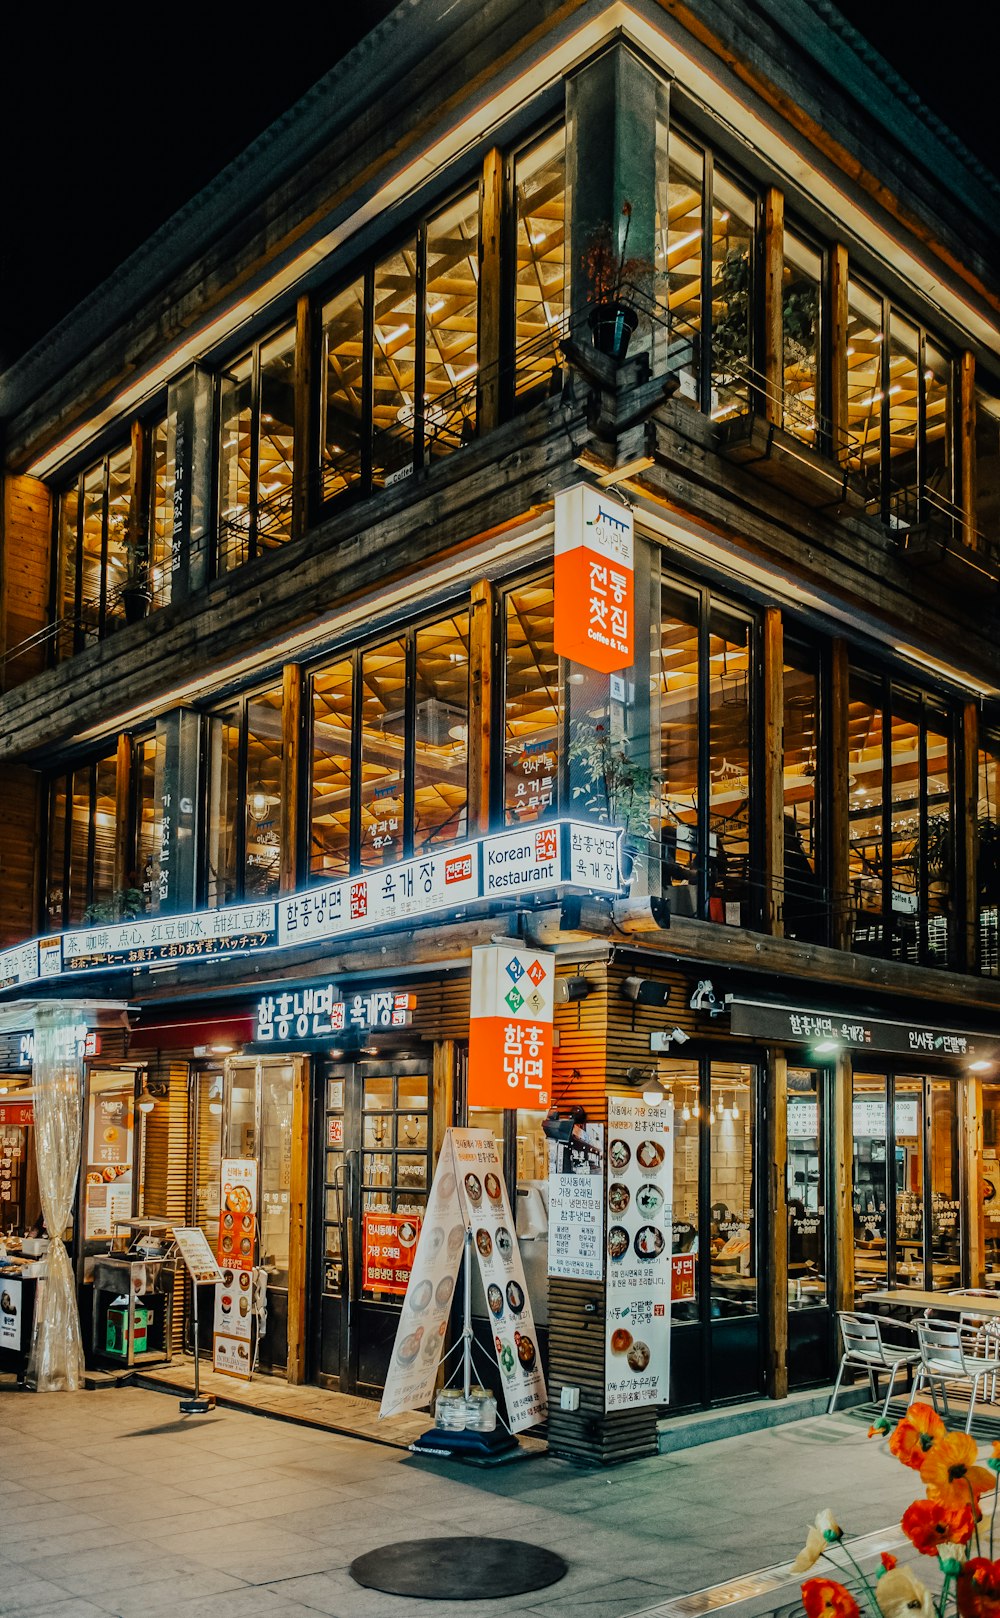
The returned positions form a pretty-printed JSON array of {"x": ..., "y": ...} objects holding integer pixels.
[
  {"x": 640, "y": 1238},
  {"x": 294, "y": 1015},
  {"x": 510, "y": 1027},
  {"x": 594, "y": 580},
  {"x": 855, "y": 1032},
  {"x": 388, "y": 1244}
]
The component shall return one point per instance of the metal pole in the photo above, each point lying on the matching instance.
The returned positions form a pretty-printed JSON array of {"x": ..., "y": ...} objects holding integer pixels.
[
  {"x": 467, "y": 1327},
  {"x": 197, "y": 1355}
]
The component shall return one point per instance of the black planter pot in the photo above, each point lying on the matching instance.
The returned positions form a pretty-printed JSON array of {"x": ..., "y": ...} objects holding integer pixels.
[
  {"x": 611, "y": 327},
  {"x": 136, "y": 601}
]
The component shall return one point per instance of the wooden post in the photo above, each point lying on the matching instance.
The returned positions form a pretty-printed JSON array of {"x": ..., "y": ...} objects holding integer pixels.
[
  {"x": 302, "y": 422},
  {"x": 967, "y": 449},
  {"x": 967, "y": 900},
  {"x": 774, "y": 773},
  {"x": 443, "y": 1077},
  {"x": 298, "y": 1197},
  {"x": 971, "y": 1112},
  {"x": 774, "y": 263},
  {"x": 480, "y": 704},
  {"x": 291, "y": 721},
  {"x": 491, "y": 208},
  {"x": 124, "y": 842},
  {"x": 841, "y": 1200},
  {"x": 839, "y": 799},
  {"x": 777, "y": 1211},
  {"x": 839, "y": 423},
  {"x": 138, "y": 492}
]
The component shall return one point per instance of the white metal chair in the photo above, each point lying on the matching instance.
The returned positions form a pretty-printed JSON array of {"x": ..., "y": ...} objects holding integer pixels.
[
  {"x": 865, "y": 1350},
  {"x": 955, "y": 1351}
]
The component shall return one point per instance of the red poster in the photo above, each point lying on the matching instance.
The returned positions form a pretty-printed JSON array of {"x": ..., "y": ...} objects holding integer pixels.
[
  {"x": 594, "y": 580},
  {"x": 682, "y": 1275},
  {"x": 238, "y": 1214},
  {"x": 390, "y": 1241},
  {"x": 17, "y": 1115}
]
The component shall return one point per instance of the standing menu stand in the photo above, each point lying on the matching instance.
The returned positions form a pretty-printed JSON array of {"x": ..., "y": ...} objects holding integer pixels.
[{"x": 190, "y": 1242}]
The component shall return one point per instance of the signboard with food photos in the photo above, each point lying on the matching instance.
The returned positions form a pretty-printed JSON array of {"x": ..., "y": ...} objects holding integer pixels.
[
  {"x": 237, "y": 1213},
  {"x": 468, "y": 1194},
  {"x": 11, "y": 1314},
  {"x": 640, "y": 1219},
  {"x": 232, "y": 1333},
  {"x": 108, "y": 1173}
]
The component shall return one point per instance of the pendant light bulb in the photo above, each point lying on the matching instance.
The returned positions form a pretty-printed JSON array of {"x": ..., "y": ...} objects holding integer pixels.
[
  {"x": 735, "y": 1110},
  {"x": 696, "y": 1109},
  {"x": 686, "y": 1112},
  {"x": 145, "y": 1103},
  {"x": 653, "y": 1092}
]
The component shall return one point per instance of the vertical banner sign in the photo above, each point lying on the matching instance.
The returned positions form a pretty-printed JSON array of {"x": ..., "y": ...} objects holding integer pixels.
[
  {"x": 468, "y": 1193},
  {"x": 237, "y": 1213},
  {"x": 640, "y": 1220},
  {"x": 510, "y": 1027},
  {"x": 232, "y": 1333},
  {"x": 594, "y": 580},
  {"x": 576, "y": 1203}
]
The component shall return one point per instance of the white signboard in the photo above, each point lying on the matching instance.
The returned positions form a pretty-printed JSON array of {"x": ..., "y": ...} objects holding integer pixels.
[
  {"x": 232, "y": 1334},
  {"x": 192, "y": 1244},
  {"x": 640, "y": 1229},
  {"x": 468, "y": 1194},
  {"x": 576, "y": 1203},
  {"x": 19, "y": 965},
  {"x": 11, "y": 1314},
  {"x": 869, "y": 1118}
]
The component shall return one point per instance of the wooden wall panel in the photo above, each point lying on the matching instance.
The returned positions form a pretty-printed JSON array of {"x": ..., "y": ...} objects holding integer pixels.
[
  {"x": 25, "y": 549},
  {"x": 20, "y": 793}
]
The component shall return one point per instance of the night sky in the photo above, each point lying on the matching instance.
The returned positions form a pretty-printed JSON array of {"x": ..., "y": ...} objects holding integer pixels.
[{"x": 109, "y": 125}]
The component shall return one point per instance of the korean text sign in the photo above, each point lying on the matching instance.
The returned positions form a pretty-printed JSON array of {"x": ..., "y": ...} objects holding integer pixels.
[
  {"x": 510, "y": 1027},
  {"x": 594, "y": 580}
]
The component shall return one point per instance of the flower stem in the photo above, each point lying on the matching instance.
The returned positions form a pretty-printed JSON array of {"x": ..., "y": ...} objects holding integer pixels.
[
  {"x": 993, "y": 1519},
  {"x": 869, "y": 1590},
  {"x": 975, "y": 1516},
  {"x": 943, "y": 1600}
]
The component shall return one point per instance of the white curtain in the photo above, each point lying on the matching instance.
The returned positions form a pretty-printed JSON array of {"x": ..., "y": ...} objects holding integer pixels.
[{"x": 56, "y": 1360}]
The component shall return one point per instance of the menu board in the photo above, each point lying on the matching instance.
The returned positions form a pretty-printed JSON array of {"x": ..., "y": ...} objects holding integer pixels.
[
  {"x": 108, "y": 1174},
  {"x": 232, "y": 1333},
  {"x": 640, "y": 1220},
  {"x": 387, "y": 1248},
  {"x": 576, "y": 1204},
  {"x": 11, "y": 1314},
  {"x": 237, "y": 1213},
  {"x": 468, "y": 1194},
  {"x": 192, "y": 1244},
  {"x": 990, "y": 1185},
  {"x": 483, "y": 1195}
]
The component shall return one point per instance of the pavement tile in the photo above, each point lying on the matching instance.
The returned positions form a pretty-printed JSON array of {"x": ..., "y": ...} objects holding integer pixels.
[
  {"x": 170, "y": 1595},
  {"x": 72, "y": 1607}
]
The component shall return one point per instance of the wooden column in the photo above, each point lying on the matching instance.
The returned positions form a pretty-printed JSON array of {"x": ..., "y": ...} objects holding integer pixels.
[
  {"x": 967, "y": 897},
  {"x": 774, "y": 773},
  {"x": 840, "y": 1203},
  {"x": 480, "y": 704},
  {"x": 838, "y": 351},
  {"x": 839, "y": 798},
  {"x": 298, "y": 1201},
  {"x": 291, "y": 754},
  {"x": 443, "y": 1077},
  {"x": 491, "y": 208},
  {"x": 967, "y": 448},
  {"x": 777, "y": 1220},
  {"x": 774, "y": 259},
  {"x": 971, "y": 1117},
  {"x": 138, "y": 494},
  {"x": 125, "y": 875},
  {"x": 302, "y": 425}
]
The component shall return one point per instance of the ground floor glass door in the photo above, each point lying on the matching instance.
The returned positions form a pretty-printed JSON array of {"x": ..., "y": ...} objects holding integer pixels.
[
  {"x": 374, "y": 1155},
  {"x": 807, "y": 1181}
]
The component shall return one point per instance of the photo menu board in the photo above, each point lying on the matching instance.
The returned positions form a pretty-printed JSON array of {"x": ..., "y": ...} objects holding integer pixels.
[
  {"x": 108, "y": 1172},
  {"x": 576, "y": 1204},
  {"x": 640, "y": 1231}
]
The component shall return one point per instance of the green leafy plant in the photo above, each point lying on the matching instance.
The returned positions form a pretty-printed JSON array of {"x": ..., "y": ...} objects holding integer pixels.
[
  {"x": 125, "y": 904},
  {"x": 614, "y": 786},
  {"x": 607, "y": 270}
]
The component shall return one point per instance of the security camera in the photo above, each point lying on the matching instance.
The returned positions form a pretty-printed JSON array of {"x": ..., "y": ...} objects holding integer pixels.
[
  {"x": 706, "y": 999},
  {"x": 663, "y": 1038},
  {"x": 679, "y": 1037}
]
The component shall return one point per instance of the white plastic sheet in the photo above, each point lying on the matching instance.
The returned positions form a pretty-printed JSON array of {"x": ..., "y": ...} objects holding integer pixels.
[{"x": 56, "y": 1360}]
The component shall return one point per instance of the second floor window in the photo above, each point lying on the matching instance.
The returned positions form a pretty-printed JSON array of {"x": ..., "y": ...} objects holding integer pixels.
[
  {"x": 256, "y": 451},
  {"x": 245, "y": 823}
]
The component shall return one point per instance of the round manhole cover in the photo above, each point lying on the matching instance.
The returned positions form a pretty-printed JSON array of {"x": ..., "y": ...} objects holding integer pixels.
[{"x": 467, "y": 1568}]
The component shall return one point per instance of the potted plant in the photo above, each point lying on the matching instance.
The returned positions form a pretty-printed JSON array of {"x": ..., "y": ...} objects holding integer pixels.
[
  {"x": 135, "y": 589},
  {"x": 615, "y": 788},
  {"x": 607, "y": 272},
  {"x": 125, "y": 904}
]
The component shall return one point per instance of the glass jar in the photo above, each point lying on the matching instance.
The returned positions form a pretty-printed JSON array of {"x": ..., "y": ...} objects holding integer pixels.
[
  {"x": 482, "y": 1411},
  {"x": 450, "y": 1410}
]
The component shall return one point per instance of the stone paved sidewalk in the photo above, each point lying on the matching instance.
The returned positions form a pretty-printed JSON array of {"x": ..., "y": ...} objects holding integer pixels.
[{"x": 111, "y": 1503}]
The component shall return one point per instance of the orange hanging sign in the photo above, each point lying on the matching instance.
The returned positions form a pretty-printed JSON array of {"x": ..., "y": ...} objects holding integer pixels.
[
  {"x": 510, "y": 1027},
  {"x": 594, "y": 580}
]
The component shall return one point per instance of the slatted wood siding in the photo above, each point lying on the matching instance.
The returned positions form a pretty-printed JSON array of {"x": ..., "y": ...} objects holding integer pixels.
[
  {"x": 20, "y": 797},
  {"x": 25, "y": 542}
]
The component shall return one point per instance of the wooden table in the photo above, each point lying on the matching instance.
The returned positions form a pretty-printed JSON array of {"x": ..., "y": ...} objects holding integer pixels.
[{"x": 945, "y": 1303}]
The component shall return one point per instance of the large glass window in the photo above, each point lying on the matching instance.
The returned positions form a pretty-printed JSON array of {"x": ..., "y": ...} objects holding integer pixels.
[
  {"x": 451, "y": 336},
  {"x": 804, "y": 900},
  {"x": 103, "y": 572},
  {"x": 81, "y": 846},
  {"x": 383, "y": 752},
  {"x": 540, "y": 292},
  {"x": 395, "y": 359},
  {"x": 676, "y": 685},
  {"x": 732, "y": 1189},
  {"x": 987, "y": 473},
  {"x": 679, "y": 263},
  {"x": 245, "y": 823},
  {"x": 805, "y": 1189},
  {"x": 863, "y": 360},
  {"x": 801, "y": 283},
  {"x": 441, "y": 732},
  {"x": 256, "y": 451},
  {"x": 332, "y": 773},
  {"x": 988, "y": 857},
  {"x": 342, "y": 395},
  {"x": 733, "y": 216},
  {"x": 532, "y": 703}
]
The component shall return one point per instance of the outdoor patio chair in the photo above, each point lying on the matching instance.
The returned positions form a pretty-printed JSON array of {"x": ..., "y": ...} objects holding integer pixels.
[
  {"x": 953, "y": 1351},
  {"x": 864, "y": 1349}
]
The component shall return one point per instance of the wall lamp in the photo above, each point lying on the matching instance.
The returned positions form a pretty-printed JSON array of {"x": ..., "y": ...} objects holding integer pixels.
[
  {"x": 645, "y": 991},
  {"x": 645, "y": 1078}
]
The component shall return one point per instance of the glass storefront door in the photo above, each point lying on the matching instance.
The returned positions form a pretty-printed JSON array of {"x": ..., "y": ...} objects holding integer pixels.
[
  {"x": 374, "y": 1140},
  {"x": 257, "y": 1123},
  {"x": 907, "y": 1197},
  {"x": 807, "y": 1179}
]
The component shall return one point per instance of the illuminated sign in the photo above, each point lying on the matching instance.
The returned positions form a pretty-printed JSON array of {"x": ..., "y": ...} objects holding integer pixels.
[
  {"x": 82, "y": 1037},
  {"x": 594, "y": 580},
  {"x": 510, "y": 1027},
  {"x": 294, "y": 1015}
]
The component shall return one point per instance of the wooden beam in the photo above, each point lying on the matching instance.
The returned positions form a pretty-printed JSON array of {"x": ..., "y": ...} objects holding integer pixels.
[
  {"x": 841, "y": 897},
  {"x": 125, "y": 874},
  {"x": 491, "y": 209},
  {"x": 968, "y": 835},
  {"x": 842, "y": 1197},
  {"x": 838, "y": 351},
  {"x": 777, "y": 1217},
  {"x": 138, "y": 492},
  {"x": 774, "y": 774},
  {"x": 302, "y": 457},
  {"x": 480, "y": 704},
  {"x": 291, "y": 808},
  {"x": 967, "y": 470},
  {"x": 774, "y": 261},
  {"x": 971, "y": 1137},
  {"x": 298, "y": 1194}
]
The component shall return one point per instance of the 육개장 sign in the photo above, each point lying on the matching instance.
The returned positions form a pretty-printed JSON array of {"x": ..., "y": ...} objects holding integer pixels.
[
  {"x": 292, "y": 1015},
  {"x": 594, "y": 580},
  {"x": 468, "y": 1194},
  {"x": 510, "y": 1027},
  {"x": 640, "y": 1232}
]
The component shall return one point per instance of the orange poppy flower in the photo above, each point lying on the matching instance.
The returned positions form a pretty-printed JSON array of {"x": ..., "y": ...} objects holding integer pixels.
[
  {"x": 888, "y": 1561},
  {"x": 950, "y": 1474},
  {"x": 979, "y": 1588},
  {"x": 928, "y": 1524},
  {"x": 916, "y": 1435},
  {"x": 825, "y": 1598}
]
